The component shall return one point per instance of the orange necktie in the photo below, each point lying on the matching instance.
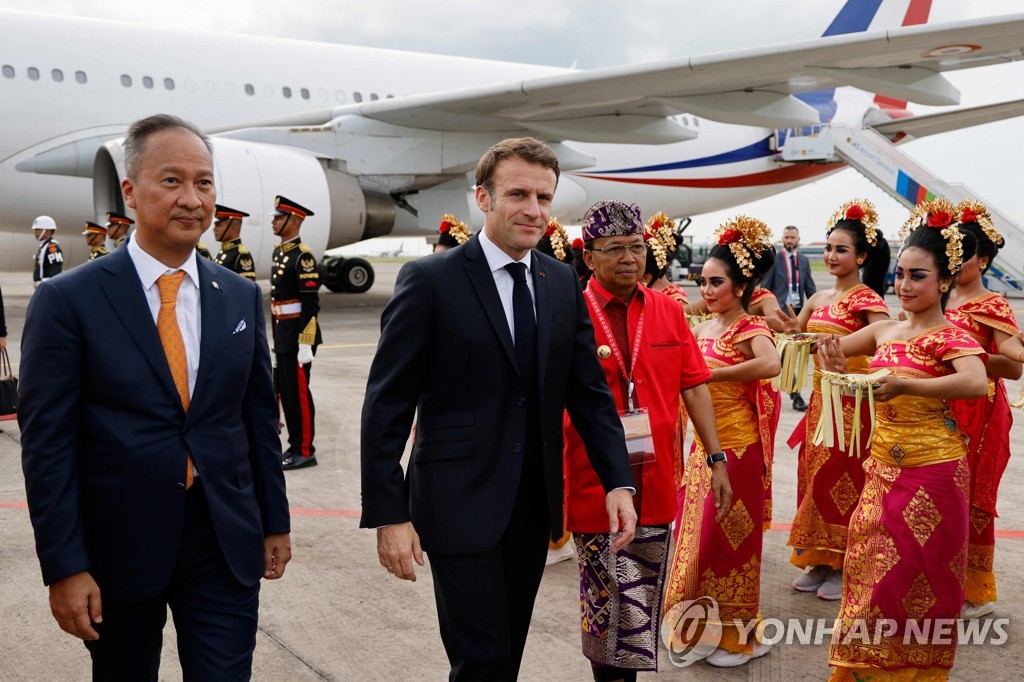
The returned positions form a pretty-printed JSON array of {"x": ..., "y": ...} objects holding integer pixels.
[{"x": 174, "y": 346}]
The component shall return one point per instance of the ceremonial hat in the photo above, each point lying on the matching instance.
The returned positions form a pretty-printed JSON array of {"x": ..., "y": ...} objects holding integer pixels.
[
  {"x": 94, "y": 228},
  {"x": 610, "y": 218},
  {"x": 115, "y": 218},
  {"x": 285, "y": 206},
  {"x": 225, "y": 213}
]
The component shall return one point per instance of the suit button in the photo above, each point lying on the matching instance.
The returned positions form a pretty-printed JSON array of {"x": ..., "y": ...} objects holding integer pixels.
[
  {"x": 521, "y": 402},
  {"x": 180, "y": 487},
  {"x": 518, "y": 447}
]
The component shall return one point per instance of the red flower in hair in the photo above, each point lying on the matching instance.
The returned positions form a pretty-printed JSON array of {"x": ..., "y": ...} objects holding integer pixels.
[
  {"x": 648, "y": 236},
  {"x": 729, "y": 236},
  {"x": 939, "y": 219},
  {"x": 577, "y": 244},
  {"x": 550, "y": 231},
  {"x": 445, "y": 226},
  {"x": 855, "y": 212},
  {"x": 968, "y": 216}
]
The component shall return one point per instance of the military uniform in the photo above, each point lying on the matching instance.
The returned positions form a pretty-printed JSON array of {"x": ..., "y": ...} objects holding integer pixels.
[
  {"x": 95, "y": 228},
  {"x": 203, "y": 251},
  {"x": 295, "y": 304},
  {"x": 48, "y": 261},
  {"x": 233, "y": 254}
]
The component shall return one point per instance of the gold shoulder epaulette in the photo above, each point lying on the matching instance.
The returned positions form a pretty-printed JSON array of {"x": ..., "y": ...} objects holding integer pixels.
[
  {"x": 242, "y": 250},
  {"x": 304, "y": 249}
]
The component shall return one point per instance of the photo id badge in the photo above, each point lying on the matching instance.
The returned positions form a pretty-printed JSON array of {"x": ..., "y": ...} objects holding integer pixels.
[
  {"x": 639, "y": 442},
  {"x": 794, "y": 298}
]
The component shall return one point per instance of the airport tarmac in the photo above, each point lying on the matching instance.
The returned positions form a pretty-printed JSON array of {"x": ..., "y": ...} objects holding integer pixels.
[{"x": 337, "y": 615}]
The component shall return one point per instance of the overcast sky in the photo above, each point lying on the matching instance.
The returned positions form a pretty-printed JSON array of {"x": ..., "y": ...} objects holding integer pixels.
[{"x": 610, "y": 32}]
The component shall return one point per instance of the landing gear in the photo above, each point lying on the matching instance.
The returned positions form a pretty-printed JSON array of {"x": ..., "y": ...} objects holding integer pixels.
[{"x": 347, "y": 275}]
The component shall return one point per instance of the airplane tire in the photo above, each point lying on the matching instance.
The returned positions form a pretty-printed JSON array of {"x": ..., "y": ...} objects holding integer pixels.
[{"x": 356, "y": 275}]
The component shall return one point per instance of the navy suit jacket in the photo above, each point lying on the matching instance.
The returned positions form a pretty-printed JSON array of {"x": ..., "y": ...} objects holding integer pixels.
[
  {"x": 446, "y": 355},
  {"x": 105, "y": 437},
  {"x": 777, "y": 279}
]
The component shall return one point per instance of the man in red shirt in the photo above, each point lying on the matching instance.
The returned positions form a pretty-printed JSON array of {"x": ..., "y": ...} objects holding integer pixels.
[{"x": 649, "y": 358}]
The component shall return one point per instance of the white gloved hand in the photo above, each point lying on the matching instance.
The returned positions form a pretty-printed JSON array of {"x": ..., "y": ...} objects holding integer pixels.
[
  {"x": 273, "y": 360},
  {"x": 305, "y": 353}
]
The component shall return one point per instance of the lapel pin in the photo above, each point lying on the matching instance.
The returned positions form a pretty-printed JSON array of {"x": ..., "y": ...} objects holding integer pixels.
[
  {"x": 604, "y": 352},
  {"x": 541, "y": 273},
  {"x": 215, "y": 285}
]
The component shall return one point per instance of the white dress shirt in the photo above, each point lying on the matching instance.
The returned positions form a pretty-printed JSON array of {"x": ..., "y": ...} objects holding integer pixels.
[
  {"x": 496, "y": 261},
  {"x": 187, "y": 309}
]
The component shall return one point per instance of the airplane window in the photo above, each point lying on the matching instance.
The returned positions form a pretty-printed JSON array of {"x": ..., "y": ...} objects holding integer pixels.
[
  {"x": 8, "y": 71},
  {"x": 305, "y": 93},
  {"x": 373, "y": 97},
  {"x": 81, "y": 77},
  {"x": 685, "y": 121},
  {"x": 58, "y": 76},
  {"x": 357, "y": 96},
  {"x": 249, "y": 90},
  {"x": 33, "y": 73},
  {"x": 390, "y": 97},
  {"x": 339, "y": 95},
  {"x": 169, "y": 83},
  {"x": 268, "y": 91},
  {"x": 287, "y": 92},
  {"x": 190, "y": 85},
  {"x": 126, "y": 80},
  {"x": 147, "y": 82},
  {"x": 696, "y": 121}
]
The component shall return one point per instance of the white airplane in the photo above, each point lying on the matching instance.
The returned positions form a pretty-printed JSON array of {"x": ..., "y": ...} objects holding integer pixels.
[{"x": 382, "y": 143}]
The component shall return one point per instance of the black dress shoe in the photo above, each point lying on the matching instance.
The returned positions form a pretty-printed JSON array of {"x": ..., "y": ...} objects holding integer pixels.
[
  {"x": 296, "y": 461},
  {"x": 798, "y": 404}
]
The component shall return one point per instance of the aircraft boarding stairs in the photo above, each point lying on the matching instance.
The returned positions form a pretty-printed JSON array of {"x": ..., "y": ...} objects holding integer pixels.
[{"x": 907, "y": 181}]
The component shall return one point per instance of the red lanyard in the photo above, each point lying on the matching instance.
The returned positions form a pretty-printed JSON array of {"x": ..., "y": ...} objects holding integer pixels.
[{"x": 613, "y": 344}]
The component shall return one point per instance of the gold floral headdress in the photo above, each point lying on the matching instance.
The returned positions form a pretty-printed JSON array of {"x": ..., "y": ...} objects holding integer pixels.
[
  {"x": 659, "y": 233},
  {"x": 976, "y": 212},
  {"x": 559, "y": 238},
  {"x": 454, "y": 227},
  {"x": 860, "y": 210},
  {"x": 938, "y": 214},
  {"x": 747, "y": 238}
]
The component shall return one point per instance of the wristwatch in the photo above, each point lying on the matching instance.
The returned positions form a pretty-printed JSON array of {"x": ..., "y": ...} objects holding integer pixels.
[{"x": 716, "y": 457}]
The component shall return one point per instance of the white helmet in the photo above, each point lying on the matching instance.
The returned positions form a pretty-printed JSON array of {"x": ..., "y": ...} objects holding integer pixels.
[{"x": 44, "y": 222}]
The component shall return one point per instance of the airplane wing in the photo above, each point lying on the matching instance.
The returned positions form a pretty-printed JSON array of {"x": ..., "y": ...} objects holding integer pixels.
[
  {"x": 757, "y": 86},
  {"x": 933, "y": 124}
]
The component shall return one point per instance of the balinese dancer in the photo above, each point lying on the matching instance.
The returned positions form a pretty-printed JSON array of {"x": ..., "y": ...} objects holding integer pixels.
[
  {"x": 721, "y": 557},
  {"x": 989, "y": 319},
  {"x": 829, "y": 479},
  {"x": 907, "y": 555}
]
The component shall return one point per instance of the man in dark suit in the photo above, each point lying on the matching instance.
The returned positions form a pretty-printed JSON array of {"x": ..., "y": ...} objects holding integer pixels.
[
  {"x": 149, "y": 433},
  {"x": 483, "y": 491},
  {"x": 791, "y": 281}
]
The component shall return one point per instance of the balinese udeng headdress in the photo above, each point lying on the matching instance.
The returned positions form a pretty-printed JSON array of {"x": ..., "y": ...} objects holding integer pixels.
[
  {"x": 455, "y": 228},
  {"x": 660, "y": 235},
  {"x": 862, "y": 211},
  {"x": 747, "y": 238},
  {"x": 938, "y": 214},
  {"x": 559, "y": 239},
  {"x": 975, "y": 212},
  {"x": 610, "y": 218}
]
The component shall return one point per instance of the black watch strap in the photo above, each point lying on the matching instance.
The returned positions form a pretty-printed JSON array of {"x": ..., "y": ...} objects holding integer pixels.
[{"x": 716, "y": 457}]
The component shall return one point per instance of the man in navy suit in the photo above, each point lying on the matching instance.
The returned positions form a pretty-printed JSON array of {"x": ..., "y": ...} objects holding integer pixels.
[
  {"x": 791, "y": 281},
  {"x": 483, "y": 491},
  {"x": 149, "y": 433}
]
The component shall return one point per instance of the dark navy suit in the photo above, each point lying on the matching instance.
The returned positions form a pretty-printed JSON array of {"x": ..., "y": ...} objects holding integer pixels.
[{"x": 105, "y": 440}]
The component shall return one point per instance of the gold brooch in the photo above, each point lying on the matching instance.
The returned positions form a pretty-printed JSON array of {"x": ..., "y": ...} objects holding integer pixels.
[{"x": 604, "y": 352}]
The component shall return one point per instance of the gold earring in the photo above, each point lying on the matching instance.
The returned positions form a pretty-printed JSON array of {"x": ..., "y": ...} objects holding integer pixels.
[
  {"x": 860, "y": 261},
  {"x": 943, "y": 288}
]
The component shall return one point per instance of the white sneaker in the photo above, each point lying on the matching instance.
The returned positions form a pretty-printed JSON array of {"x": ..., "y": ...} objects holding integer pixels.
[
  {"x": 720, "y": 658},
  {"x": 970, "y": 611},
  {"x": 812, "y": 579},
  {"x": 563, "y": 553},
  {"x": 832, "y": 588}
]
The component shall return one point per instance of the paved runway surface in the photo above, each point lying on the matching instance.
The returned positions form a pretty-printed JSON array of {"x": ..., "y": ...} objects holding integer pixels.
[{"x": 337, "y": 615}]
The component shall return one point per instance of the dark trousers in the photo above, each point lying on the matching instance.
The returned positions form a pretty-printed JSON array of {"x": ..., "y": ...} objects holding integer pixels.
[
  {"x": 214, "y": 615},
  {"x": 485, "y": 601},
  {"x": 296, "y": 402}
]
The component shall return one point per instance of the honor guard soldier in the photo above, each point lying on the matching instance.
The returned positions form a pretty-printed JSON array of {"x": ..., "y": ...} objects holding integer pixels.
[
  {"x": 295, "y": 303},
  {"x": 95, "y": 236},
  {"x": 117, "y": 227},
  {"x": 49, "y": 259},
  {"x": 227, "y": 225}
]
